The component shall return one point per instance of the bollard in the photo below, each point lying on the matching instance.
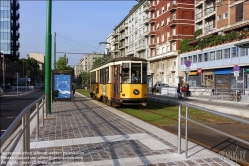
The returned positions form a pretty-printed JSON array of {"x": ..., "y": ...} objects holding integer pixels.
[
  {"x": 42, "y": 112},
  {"x": 186, "y": 134},
  {"x": 37, "y": 121},
  {"x": 179, "y": 129}
]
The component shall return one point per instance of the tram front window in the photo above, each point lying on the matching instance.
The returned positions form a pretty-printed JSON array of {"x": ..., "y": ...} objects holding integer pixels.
[{"x": 135, "y": 73}]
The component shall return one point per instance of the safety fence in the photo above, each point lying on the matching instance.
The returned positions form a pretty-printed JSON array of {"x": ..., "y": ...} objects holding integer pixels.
[
  {"x": 234, "y": 95},
  {"x": 17, "y": 137},
  {"x": 187, "y": 120}
]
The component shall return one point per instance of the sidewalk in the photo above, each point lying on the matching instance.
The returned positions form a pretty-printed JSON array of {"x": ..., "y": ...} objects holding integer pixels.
[{"x": 87, "y": 132}]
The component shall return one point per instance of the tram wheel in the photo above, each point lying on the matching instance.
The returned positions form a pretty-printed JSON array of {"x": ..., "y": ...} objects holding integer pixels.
[{"x": 109, "y": 102}]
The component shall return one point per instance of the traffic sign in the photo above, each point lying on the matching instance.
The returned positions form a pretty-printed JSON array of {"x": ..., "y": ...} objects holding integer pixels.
[
  {"x": 29, "y": 79},
  {"x": 236, "y": 74},
  {"x": 188, "y": 70},
  {"x": 199, "y": 70},
  {"x": 187, "y": 63},
  {"x": 236, "y": 68}
]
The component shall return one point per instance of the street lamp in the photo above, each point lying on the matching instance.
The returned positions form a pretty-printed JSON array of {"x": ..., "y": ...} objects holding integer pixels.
[{"x": 3, "y": 68}]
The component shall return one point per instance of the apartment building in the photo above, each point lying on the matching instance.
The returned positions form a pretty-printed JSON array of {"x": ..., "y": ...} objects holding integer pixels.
[
  {"x": 170, "y": 22},
  {"x": 9, "y": 36},
  {"x": 222, "y": 44},
  {"x": 130, "y": 36},
  {"x": 9, "y": 30},
  {"x": 78, "y": 69},
  {"x": 39, "y": 57},
  {"x": 88, "y": 60}
]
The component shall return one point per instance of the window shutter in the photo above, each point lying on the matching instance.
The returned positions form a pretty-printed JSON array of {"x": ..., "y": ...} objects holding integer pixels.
[{"x": 239, "y": 12}]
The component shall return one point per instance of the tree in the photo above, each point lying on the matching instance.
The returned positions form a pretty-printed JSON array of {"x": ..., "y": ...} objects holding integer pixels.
[
  {"x": 85, "y": 78},
  {"x": 33, "y": 70},
  {"x": 98, "y": 61},
  {"x": 62, "y": 63}
]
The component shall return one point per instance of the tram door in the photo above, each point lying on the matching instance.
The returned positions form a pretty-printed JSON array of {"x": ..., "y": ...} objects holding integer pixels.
[{"x": 116, "y": 81}]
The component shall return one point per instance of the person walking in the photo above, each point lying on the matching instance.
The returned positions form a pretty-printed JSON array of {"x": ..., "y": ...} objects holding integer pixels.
[
  {"x": 73, "y": 88},
  {"x": 184, "y": 90}
]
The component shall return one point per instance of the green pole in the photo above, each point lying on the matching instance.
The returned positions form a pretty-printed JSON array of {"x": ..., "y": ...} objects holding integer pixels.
[
  {"x": 54, "y": 50},
  {"x": 48, "y": 55}
]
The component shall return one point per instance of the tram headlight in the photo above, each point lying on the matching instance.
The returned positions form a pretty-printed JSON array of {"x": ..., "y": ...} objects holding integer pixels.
[{"x": 136, "y": 92}]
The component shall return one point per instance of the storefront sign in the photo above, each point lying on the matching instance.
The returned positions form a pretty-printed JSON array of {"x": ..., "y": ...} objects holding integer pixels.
[{"x": 199, "y": 70}]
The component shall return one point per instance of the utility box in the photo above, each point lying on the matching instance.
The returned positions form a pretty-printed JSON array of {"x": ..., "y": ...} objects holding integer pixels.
[{"x": 62, "y": 85}]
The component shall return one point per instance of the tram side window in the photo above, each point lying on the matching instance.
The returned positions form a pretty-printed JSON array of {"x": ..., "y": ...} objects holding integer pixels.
[
  {"x": 136, "y": 69},
  {"x": 144, "y": 70},
  {"x": 93, "y": 77},
  {"x": 125, "y": 73},
  {"x": 106, "y": 75}
]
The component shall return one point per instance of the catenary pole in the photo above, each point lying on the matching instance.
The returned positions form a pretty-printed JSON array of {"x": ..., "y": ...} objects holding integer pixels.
[
  {"x": 54, "y": 50},
  {"x": 48, "y": 55}
]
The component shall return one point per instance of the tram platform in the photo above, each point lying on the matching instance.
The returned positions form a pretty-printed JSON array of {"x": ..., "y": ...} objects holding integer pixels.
[{"x": 87, "y": 132}]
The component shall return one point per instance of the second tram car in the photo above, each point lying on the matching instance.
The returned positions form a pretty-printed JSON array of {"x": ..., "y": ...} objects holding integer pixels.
[{"x": 120, "y": 81}]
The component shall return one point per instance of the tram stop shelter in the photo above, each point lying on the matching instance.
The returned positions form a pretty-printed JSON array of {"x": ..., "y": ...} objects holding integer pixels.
[{"x": 62, "y": 85}]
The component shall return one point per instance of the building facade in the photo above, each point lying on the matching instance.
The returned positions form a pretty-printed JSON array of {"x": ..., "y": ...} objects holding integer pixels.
[
  {"x": 222, "y": 44},
  {"x": 39, "y": 57},
  {"x": 9, "y": 29},
  {"x": 88, "y": 60},
  {"x": 170, "y": 22}
]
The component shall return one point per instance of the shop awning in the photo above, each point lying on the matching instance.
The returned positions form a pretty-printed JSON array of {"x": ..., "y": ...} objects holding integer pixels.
[
  {"x": 192, "y": 73},
  {"x": 224, "y": 71}
]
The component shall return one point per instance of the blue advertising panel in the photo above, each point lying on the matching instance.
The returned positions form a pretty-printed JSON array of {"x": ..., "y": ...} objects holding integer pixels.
[{"x": 62, "y": 84}]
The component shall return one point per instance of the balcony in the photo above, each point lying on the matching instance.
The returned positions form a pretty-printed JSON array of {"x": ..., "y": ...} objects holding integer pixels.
[
  {"x": 126, "y": 35},
  {"x": 141, "y": 48},
  {"x": 146, "y": 20},
  {"x": 152, "y": 33},
  {"x": 172, "y": 7},
  {"x": 152, "y": 21},
  {"x": 146, "y": 7},
  {"x": 172, "y": 69},
  {"x": 149, "y": 72},
  {"x": 121, "y": 29},
  {"x": 130, "y": 52},
  {"x": 115, "y": 42},
  {"x": 209, "y": 28},
  {"x": 160, "y": 71},
  {"x": 172, "y": 38},
  {"x": 121, "y": 46},
  {"x": 146, "y": 34},
  {"x": 209, "y": 11},
  {"x": 152, "y": 45},
  {"x": 126, "y": 25},
  {"x": 198, "y": 16},
  {"x": 152, "y": 8},
  {"x": 173, "y": 23},
  {"x": 18, "y": 35}
]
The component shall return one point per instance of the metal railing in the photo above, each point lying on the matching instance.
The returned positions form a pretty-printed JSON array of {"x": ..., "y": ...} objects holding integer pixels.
[
  {"x": 187, "y": 119},
  {"x": 212, "y": 94},
  {"x": 12, "y": 136}
]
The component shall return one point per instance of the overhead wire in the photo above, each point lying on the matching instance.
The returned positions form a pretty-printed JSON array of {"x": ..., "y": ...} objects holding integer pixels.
[{"x": 77, "y": 42}]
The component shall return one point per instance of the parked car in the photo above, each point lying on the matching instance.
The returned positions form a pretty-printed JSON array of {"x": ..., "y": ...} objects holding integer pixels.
[
  {"x": 1, "y": 92},
  {"x": 158, "y": 86},
  {"x": 39, "y": 86}
]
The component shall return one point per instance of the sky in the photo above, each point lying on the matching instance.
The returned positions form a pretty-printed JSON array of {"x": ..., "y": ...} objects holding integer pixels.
[{"x": 79, "y": 25}]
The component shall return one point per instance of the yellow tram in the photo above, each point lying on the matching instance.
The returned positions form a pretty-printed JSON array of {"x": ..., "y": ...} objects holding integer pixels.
[{"x": 120, "y": 81}]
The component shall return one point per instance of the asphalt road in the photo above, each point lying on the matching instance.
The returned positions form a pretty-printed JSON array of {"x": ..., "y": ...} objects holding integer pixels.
[{"x": 10, "y": 107}]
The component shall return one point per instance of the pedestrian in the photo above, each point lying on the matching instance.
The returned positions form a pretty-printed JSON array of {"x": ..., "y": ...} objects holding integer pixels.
[
  {"x": 133, "y": 78},
  {"x": 73, "y": 87},
  {"x": 179, "y": 93},
  {"x": 184, "y": 90},
  {"x": 86, "y": 87},
  {"x": 187, "y": 89}
]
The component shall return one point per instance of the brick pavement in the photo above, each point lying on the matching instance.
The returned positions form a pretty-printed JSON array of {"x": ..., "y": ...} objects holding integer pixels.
[{"x": 86, "y": 132}]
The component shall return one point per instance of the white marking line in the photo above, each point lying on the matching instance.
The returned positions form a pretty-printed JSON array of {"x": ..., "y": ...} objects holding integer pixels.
[
  {"x": 146, "y": 139},
  {"x": 3, "y": 130}
]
